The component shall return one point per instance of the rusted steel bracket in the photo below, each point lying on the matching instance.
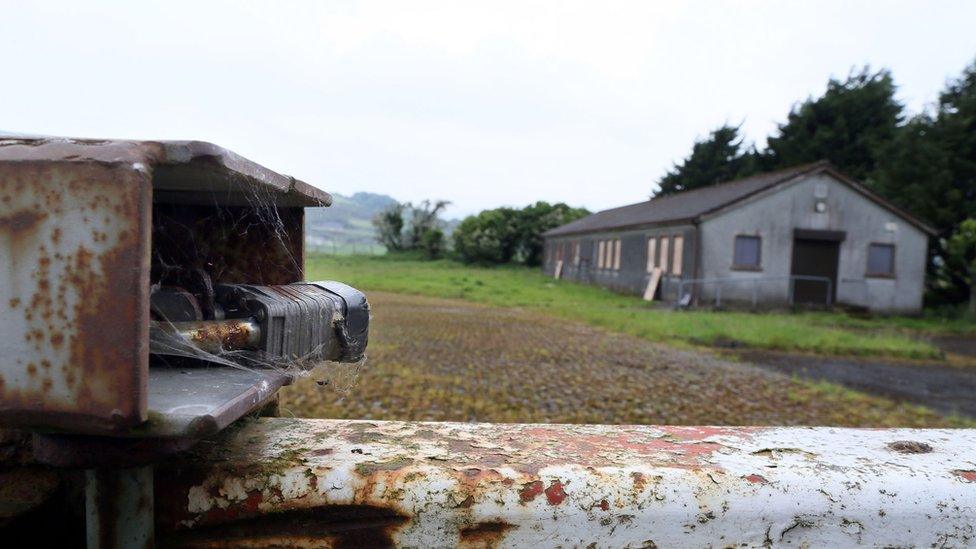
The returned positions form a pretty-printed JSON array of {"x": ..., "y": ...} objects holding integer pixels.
[{"x": 323, "y": 482}]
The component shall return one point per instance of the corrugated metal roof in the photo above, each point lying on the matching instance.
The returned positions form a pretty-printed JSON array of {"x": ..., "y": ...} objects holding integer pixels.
[{"x": 689, "y": 205}]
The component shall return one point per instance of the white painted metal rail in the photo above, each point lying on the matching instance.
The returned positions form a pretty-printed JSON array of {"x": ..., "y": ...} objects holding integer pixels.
[{"x": 340, "y": 483}]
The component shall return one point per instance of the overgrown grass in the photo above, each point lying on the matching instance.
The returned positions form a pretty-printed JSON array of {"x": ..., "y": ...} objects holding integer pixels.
[{"x": 510, "y": 286}]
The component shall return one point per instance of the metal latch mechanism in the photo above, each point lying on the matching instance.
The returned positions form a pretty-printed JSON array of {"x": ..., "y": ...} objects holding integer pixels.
[
  {"x": 307, "y": 321},
  {"x": 154, "y": 292}
]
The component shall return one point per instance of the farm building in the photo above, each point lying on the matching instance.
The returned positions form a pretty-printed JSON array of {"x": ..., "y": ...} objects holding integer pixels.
[{"x": 807, "y": 234}]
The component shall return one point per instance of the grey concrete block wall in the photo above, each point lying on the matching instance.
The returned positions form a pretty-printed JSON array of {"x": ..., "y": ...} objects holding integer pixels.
[{"x": 774, "y": 215}]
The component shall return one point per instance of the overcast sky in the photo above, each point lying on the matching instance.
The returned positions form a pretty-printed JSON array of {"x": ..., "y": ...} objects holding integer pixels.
[{"x": 484, "y": 104}]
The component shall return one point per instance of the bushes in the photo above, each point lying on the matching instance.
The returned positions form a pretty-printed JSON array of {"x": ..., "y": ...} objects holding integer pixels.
[{"x": 506, "y": 235}]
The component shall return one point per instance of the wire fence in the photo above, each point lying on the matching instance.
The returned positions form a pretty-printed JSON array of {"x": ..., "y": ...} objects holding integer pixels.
[{"x": 685, "y": 297}]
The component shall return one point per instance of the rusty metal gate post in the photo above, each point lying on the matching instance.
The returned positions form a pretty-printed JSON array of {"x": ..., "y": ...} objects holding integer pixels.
[{"x": 119, "y": 507}]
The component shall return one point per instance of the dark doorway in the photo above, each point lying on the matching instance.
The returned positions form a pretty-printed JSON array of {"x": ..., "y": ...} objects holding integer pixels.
[{"x": 815, "y": 257}]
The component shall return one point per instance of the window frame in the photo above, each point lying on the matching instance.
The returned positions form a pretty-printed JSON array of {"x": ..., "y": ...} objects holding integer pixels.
[
  {"x": 616, "y": 255},
  {"x": 747, "y": 267},
  {"x": 867, "y": 261},
  {"x": 599, "y": 254}
]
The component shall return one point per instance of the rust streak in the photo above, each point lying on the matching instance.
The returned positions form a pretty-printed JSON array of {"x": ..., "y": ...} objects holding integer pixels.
[
  {"x": 20, "y": 222},
  {"x": 485, "y": 534}
]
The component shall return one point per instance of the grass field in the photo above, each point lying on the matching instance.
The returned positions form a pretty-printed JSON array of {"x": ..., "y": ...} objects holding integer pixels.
[
  {"x": 439, "y": 359},
  {"x": 824, "y": 333}
]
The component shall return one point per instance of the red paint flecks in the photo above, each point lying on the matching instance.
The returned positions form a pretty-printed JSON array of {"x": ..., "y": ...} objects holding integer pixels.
[
  {"x": 248, "y": 507},
  {"x": 253, "y": 499},
  {"x": 555, "y": 493},
  {"x": 531, "y": 490},
  {"x": 756, "y": 479},
  {"x": 968, "y": 476}
]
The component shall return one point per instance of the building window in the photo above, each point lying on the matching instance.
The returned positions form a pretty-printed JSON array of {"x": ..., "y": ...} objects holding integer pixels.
[
  {"x": 747, "y": 252},
  {"x": 651, "y": 254},
  {"x": 576, "y": 253},
  {"x": 616, "y": 254},
  {"x": 665, "y": 253},
  {"x": 679, "y": 252},
  {"x": 599, "y": 254},
  {"x": 881, "y": 260}
]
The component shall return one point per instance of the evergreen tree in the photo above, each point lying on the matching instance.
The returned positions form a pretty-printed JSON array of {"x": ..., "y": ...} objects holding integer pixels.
[
  {"x": 930, "y": 170},
  {"x": 956, "y": 133},
  {"x": 848, "y": 125},
  {"x": 720, "y": 157}
]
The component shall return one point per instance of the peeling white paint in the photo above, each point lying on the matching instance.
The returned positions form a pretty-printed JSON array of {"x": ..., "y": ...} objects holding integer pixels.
[{"x": 545, "y": 485}]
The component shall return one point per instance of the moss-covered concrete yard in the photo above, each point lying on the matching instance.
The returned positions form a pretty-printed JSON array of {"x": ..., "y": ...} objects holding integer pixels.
[{"x": 438, "y": 359}]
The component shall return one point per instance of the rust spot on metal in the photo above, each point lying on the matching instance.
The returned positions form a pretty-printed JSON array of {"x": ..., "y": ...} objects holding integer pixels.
[
  {"x": 232, "y": 244},
  {"x": 604, "y": 505},
  {"x": 14, "y": 302},
  {"x": 20, "y": 222},
  {"x": 369, "y": 468},
  {"x": 485, "y": 534},
  {"x": 639, "y": 480},
  {"x": 338, "y": 526},
  {"x": 910, "y": 447},
  {"x": 531, "y": 490},
  {"x": 967, "y": 475},
  {"x": 555, "y": 493},
  {"x": 225, "y": 335}
]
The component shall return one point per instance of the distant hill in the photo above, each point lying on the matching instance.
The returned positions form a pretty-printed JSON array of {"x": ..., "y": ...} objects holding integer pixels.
[{"x": 347, "y": 225}]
